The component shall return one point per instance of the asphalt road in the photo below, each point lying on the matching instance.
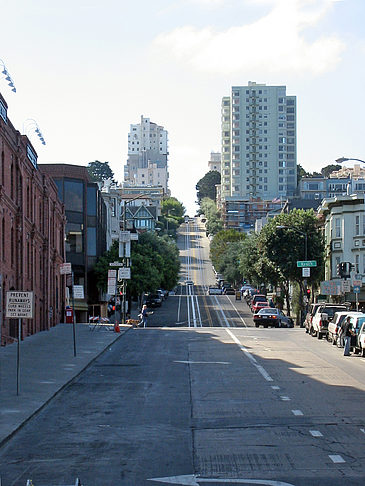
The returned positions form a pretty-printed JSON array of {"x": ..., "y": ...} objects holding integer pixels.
[{"x": 201, "y": 400}]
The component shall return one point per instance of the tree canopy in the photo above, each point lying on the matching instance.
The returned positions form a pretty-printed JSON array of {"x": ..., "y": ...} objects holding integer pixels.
[
  {"x": 206, "y": 185},
  {"x": 99, "y": 171},
  {"x": 214, "y": 223},
  {"x": 155, "y": 264},
  {"x": 172, "y": 212}
]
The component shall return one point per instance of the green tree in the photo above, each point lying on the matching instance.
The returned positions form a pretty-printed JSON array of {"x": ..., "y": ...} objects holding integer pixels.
[
  {"x": 220, "y": 244},
  {"x": 285, "y": 246},
  {"x": 206, "y": 185},
  {"x": 100, "y": 171},
  {"x": 214, "y": 223},
  {"x": 326, "y": 171},
  {"x": 155, "y": 264},
  {"x": 172, "y": 212}
]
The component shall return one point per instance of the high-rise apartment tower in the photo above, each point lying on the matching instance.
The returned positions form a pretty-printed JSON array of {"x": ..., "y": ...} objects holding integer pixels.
[
  {"x": 258, "y": 143},
  {"x": 147, "y": 155}
]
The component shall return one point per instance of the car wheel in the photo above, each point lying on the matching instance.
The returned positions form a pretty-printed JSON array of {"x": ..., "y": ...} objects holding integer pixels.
[
  {"x": 265, "y": 326},
  {"x": 257, "y": 324},
  {"x": 313, "y": 332},
  {"x": 319, "y": 335},
  {"x": 363, "y": 352}
]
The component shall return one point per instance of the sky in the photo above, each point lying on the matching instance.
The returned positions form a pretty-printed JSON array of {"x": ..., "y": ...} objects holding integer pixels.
[{"x": 86, "y": 70}]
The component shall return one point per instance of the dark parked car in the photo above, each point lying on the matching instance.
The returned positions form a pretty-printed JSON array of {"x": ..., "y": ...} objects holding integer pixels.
[
  {"x": 153, "y": 300},
  {"x": 272, "y": 317},
  {"x": 229, "y": 291}
]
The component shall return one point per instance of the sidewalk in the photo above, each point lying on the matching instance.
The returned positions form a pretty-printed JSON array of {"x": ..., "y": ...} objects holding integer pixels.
[{"x": 47, "y": 364}]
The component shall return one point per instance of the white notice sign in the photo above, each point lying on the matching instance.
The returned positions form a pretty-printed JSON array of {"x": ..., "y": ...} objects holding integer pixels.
[
  {"x": 65, "y": 268},
  {"x": 124, "y": 236},
  {"x": 19, "y": 305},
  {"x": 78, "y": 292},
  {"x": 124, "y": 273}
]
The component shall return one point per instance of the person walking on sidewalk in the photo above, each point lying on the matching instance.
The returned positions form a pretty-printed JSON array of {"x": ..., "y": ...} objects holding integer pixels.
[{"x": 346, "y": 332}]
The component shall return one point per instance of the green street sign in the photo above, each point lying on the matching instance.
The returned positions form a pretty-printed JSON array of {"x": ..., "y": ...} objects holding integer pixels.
[{"x": 306, "y": 263}]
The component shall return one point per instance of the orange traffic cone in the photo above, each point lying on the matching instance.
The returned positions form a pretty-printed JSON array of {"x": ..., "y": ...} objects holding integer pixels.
[{"x": 116, "y": 327}]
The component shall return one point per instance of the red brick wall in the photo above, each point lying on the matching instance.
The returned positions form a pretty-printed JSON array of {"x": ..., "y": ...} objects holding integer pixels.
[{"x": 32, "y": 225}]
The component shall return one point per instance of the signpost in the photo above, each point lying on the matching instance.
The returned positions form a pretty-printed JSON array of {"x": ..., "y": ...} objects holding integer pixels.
[
  {"x": 306, "y": 263},
  {"x": 306, "y": 272},
  {"x": 19, "y": 305}
]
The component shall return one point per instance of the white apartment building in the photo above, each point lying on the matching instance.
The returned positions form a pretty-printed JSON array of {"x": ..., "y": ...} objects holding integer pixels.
[
  {"x": 214, "y": 162},
  {"x": 147, "y": 153},
  {"x": 259, "y": 143},
  {"x": 344, "y": 231}
]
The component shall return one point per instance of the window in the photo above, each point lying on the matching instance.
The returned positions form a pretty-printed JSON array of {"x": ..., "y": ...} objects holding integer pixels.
[
  {"x": 337, "y": 228},
  {"x": 357, "y": 225},
  {"x": 91, "y": 201},
  {"x": 74, "y": 196},
  {"x": 91, "y": 241},
  {"x": 74, "y": 238}
]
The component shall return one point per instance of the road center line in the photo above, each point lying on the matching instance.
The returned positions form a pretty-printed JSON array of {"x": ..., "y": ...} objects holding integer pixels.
[{"x": 259, "y": 368}]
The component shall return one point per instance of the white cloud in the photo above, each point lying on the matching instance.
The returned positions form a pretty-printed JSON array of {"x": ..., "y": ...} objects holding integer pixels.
[{"x": 274, "y": 43}]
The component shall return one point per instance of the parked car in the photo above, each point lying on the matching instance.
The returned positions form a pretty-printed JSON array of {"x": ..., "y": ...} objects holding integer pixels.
[
  {"x": 259, "y": 305},
  {"x": 360, "y": 346},
  {"x": 335, "y": 325},
  {"x": 161, "y": 294},
  {"x": 258, "y": 298},
  {"x": 323, "y": 315},
  {"x": 272, "y": 317},
  {"x": 357, "y": 321},
  {"x": 215, "y": 291},
  {"x": 309, "y": 317},
  {"x": 189, "y": 282},
  {"x": 153, "y": 300},
  {"x": 229, "y": 291}
]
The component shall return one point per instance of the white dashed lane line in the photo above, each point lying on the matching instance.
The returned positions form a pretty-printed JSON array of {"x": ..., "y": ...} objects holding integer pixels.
[
  {"x": 336, "y": 458},
  {"x": 297, "y": 413},
  {"x": 316, "y": 433}
]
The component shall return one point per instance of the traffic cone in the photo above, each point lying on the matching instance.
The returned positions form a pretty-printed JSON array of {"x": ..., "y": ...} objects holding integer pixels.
[{"x": 116, "y": 327}]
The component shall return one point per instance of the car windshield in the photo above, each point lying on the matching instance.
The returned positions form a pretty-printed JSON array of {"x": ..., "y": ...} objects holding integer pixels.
[{"x": 260, "y": 298}]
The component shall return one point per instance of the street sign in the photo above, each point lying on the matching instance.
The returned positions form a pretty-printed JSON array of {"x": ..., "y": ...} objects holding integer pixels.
[
  {"x": 124, "y": 236},
  {"x": 124, "y": 273},
  {"x": 346, "y": 286},
  {"x": 306, "y": 263},
  {"x": 356, "y": 282},
  {"x": 78, "y": 291},
  {"x": 356, "y": 289},
  {"x": 134, "y": 236},
  {"x": 65, "y": 268},
  {"x": 111, "y": 289},
  {"x": 116, "y": 264},
  {"x": 112, "y": 274},
  {"x": 331, "y": 287},
  {"x": 306, "y": 272},
  {"x": 19, "y": 305}
]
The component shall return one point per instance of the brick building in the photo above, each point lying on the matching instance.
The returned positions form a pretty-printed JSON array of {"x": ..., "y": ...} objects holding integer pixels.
[{"x": 32, "y": 228}]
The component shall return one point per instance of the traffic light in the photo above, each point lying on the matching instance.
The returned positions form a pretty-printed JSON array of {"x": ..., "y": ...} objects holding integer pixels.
[{"x": 308, "y": 293}]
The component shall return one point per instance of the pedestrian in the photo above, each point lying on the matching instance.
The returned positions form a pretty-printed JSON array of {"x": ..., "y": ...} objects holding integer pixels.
[
  {"x": 346, "y": 333},
  {"x": 143, "y": 315}
]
